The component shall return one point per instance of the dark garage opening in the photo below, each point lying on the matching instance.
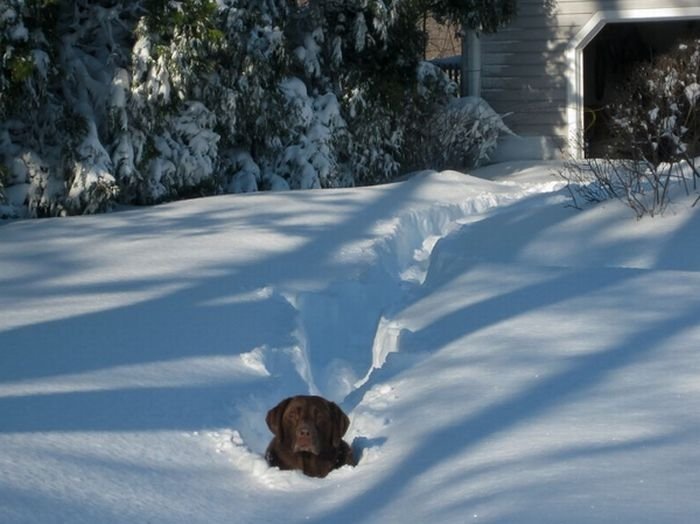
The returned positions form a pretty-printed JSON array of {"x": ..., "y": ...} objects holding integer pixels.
[{"x": 615, "y": 49}]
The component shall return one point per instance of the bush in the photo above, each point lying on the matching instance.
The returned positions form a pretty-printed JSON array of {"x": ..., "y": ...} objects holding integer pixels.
[
  {"x": 656, "y": 118},
  {"x": 463, "y": 134},
  {"x": 640, "y": 185}
]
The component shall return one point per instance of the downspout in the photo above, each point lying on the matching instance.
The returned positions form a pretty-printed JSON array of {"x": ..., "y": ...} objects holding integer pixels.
[{"x": 471, "y": 63}]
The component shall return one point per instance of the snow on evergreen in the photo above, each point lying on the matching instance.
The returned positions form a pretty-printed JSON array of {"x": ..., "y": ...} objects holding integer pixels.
[
  {"x": 464, "y": 133},
  {"x": 148, "y": 101}
]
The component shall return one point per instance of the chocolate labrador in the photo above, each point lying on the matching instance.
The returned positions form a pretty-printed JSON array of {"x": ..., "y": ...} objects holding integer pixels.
[{"x": 308, "y": 436}]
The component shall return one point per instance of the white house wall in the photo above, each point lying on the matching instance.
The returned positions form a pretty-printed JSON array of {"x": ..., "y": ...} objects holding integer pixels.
[{"x": 527, "y": 68}]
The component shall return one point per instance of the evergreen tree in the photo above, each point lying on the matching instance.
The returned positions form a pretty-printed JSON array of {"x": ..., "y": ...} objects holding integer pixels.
[
  {"x": 483, "y": 15},
  {"x": 166, "y": 145},
  {"x": 106, "y": 101},
  {"x": 30, "y": 112}
]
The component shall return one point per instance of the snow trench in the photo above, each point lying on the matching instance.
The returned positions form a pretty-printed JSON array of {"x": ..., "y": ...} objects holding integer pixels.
[{"x": 346, "y": 331}]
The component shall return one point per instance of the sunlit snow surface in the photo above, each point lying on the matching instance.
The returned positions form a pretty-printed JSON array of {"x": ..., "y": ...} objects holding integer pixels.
[{"x": 502, "y": 357}]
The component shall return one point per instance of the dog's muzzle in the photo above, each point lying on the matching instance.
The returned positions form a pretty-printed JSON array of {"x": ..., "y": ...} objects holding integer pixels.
[{"x": 306, "y": 439}]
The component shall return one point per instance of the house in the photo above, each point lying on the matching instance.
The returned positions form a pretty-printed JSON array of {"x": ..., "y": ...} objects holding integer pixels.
[{"x": 559, "y": 61}]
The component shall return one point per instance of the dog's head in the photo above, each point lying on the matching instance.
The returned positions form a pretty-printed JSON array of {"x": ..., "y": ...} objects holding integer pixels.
[{"x": 307, "y": 424}]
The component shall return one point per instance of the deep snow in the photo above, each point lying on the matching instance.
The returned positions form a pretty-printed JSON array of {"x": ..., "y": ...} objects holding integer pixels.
[{"x": 502, "y": 357}]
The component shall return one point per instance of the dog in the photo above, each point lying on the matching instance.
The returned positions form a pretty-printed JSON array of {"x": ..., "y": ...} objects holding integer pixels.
[{"x": 308, "y": 433}]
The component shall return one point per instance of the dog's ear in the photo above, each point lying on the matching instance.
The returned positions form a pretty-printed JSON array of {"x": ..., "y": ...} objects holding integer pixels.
[
  {"x": 274, "y": 418},
  {"x": 339, "y": 423}
]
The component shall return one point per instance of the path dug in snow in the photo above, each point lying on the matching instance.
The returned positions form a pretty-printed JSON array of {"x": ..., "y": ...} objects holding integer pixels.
[{"x": 502, "y": 358}]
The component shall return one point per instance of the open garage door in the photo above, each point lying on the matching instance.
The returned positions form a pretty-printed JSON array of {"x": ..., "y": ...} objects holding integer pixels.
[{"x": 607, "y": 59}]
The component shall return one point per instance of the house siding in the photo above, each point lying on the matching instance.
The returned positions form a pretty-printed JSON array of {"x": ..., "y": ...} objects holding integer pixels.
[{"x": 524, "y": 65}]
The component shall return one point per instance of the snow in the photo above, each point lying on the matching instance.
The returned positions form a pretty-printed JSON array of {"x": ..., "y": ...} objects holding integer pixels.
[
  {"x": 692, "y": 93},
  {"x": 502, "y": 357}
]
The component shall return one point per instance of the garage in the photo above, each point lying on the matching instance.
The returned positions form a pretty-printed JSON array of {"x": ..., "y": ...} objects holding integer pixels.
[{"x": 607, "y": 60}]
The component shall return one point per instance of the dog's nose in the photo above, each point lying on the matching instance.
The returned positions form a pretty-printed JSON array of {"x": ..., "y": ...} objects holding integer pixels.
[{"x": 304, "y": 431}]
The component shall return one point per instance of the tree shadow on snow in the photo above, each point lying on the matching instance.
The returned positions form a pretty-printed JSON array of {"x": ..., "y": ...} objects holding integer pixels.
[
  {"x": 191, "y": 316},
  {"x": 581, "y": 375}
]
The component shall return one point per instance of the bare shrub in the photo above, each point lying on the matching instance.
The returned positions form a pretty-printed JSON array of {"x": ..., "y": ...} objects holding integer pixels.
[{"x": 643, "y": 186}]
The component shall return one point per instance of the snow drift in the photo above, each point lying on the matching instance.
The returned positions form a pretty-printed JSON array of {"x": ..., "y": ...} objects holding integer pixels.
[{"x": 503, "y": 358}]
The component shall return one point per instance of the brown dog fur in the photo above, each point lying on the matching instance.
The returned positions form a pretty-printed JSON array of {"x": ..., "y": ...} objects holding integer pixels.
[{"x": 308, "y": 436}]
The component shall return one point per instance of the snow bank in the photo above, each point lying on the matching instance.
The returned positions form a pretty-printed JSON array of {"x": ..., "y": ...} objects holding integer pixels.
[{"x": 502, "y": 357}]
